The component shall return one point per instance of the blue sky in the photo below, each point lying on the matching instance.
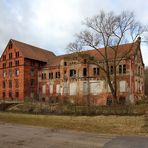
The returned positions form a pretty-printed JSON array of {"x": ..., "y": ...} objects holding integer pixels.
[{"x": 51, "y": 24}]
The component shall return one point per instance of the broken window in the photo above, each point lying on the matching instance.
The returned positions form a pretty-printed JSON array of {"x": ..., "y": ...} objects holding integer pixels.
[
  {"x": 17, "y": 63},
  {"x": 111, "y": 70},
  {"x": 72, "y": 72},
  {"x": 4, "y": 65},
  {"x": 120, "y": 69},
  {"x": 32, "y": 82},
  {"x": 10, "y": 83},
  {"x": 51, "y": 75},
  {"x": 4, "y": 84},
  {"x": 10, "y": 64},
  {"x": 17, "y": 54},
  {"x": 4, "y": 74},
  {"x": 16, "y": 72},
  {"x": 124, "y": 68},
  {"x": 57, "y": 74},
  {"x": 16, "y": 83},
  {"x": 96, "y": 71},
  {"x": 43, "y": 76},
  {"x": 32, "y": 72},
  {"x": 65, "y": 63},
  {"x": 4, "y": 57},
  {"x": 10, "y": 55},
  {"x": 10, "y": 94},
  {"x": 84, "y": 72},
  {"x": 4, "y": 95},
  {"x": 16, "y": 94},
  {"x": 10, "y": 73}
]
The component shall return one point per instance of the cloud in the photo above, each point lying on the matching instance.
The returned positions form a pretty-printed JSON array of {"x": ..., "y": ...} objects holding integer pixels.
[{"x": 51, "y": 24}]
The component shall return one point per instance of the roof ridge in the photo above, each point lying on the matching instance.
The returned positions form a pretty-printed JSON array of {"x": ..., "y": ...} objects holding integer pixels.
[{"x": 31, "y": 45}]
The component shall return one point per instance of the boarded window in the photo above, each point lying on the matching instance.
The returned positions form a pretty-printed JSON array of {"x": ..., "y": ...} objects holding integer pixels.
[
  {"x": 44, "y": 89},
  {"x": 65, "y": 88},
  {"x": 96, "y": 87},
  {"x": 85, "y": 88},
  {"x": 122, "y": 86},
  {"x": 58, "y": 89},
  {"x": 51, "y": 89},
  {"x": 73, "y": 88}
]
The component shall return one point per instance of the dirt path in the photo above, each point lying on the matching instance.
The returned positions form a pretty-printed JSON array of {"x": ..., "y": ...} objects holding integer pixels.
[{"x": 23, "y": 136}]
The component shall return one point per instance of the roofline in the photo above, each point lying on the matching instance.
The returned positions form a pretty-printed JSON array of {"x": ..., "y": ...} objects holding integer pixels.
[{"x": 32, "y": 46}]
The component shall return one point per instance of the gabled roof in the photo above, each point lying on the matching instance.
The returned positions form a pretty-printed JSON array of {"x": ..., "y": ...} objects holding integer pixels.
[
  {"x": 32, "y": 52},
  {"x": 124, "y": 50}
]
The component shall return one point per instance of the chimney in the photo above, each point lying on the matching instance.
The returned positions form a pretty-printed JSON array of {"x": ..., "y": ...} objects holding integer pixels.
[{"x": 139, "y": 39}]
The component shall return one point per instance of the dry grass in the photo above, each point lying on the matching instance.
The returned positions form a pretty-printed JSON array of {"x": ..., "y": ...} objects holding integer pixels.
[{"x": 120, "y": 125}]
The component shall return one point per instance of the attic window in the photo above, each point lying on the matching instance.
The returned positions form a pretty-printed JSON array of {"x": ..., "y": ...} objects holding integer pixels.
[
  {"x": 10, "y": 55},
  {"x": 10, "y": 46},
  {"x": 17, "y": 54}
]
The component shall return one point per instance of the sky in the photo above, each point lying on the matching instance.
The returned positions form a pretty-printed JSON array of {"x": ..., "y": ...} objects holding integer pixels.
[{"x": 52, "y": 24}]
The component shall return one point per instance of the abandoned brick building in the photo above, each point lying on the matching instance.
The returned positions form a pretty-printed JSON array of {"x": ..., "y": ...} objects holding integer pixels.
[{"x": 28, "y": 72}]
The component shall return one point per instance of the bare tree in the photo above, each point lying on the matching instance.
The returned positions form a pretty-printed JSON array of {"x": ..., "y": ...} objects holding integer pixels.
[{"x": 108, "y": 30}]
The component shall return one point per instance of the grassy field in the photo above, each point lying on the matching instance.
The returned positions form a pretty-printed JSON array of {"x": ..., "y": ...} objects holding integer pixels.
[{"x": 120, "y": 125}]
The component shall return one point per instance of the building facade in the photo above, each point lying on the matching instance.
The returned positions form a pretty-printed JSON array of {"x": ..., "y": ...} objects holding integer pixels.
[{"x": 29, "y": 72}]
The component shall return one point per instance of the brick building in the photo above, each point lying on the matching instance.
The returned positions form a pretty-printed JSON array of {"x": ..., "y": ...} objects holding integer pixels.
[{"x": 28, "y": 72}]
